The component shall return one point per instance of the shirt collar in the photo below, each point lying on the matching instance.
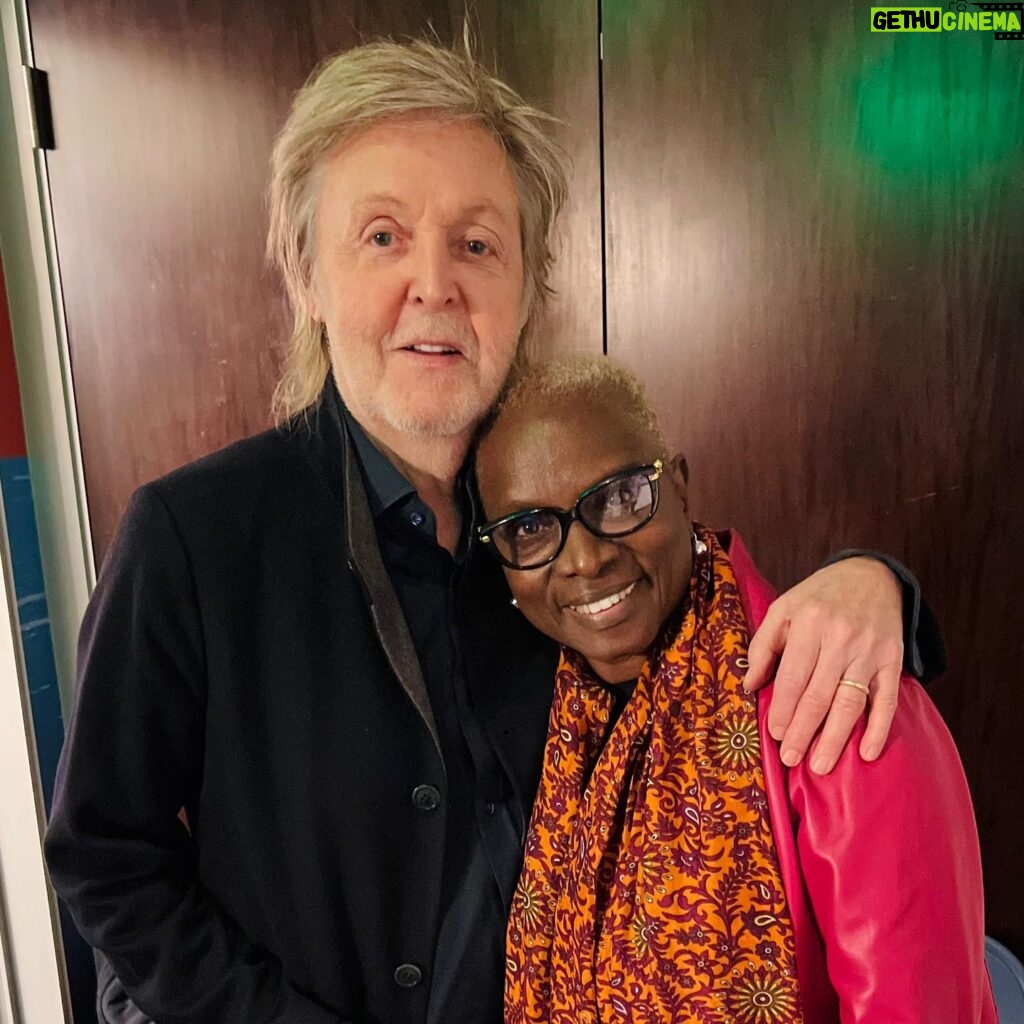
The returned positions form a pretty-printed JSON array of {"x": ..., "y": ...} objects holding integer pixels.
[{"x": 385, "y": 485}]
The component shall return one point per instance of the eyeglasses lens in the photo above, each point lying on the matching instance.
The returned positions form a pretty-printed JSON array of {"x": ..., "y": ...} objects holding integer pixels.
[
  {"x": 620, "y": 506},
  {"x": 528, "y": 540}
]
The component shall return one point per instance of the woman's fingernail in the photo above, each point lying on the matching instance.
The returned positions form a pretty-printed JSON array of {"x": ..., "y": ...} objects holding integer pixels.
[
  {"x": 819, "y": 766},
  {"x": 790, "y": 758}
]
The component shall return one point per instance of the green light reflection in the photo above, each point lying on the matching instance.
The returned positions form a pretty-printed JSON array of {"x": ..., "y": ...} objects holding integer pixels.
[{"x": 927, "y": 111}]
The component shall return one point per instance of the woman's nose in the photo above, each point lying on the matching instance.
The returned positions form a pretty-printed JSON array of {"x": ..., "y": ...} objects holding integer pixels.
[{"x": 586, "y": 554}]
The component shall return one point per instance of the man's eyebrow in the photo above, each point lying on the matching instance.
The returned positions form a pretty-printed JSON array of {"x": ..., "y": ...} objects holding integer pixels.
[
  {"x": 484, "y": 206},
  {"x": 377, "y": 199},
  {"x": 386, "y": 200}
]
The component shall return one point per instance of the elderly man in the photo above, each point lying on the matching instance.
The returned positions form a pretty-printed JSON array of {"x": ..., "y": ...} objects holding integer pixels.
[{"x": 291, "y": 641}]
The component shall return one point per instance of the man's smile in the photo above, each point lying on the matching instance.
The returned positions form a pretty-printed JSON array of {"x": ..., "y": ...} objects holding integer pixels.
[
  {"x": 433, "y": 350},
  {"x": 435, "y": 346}
]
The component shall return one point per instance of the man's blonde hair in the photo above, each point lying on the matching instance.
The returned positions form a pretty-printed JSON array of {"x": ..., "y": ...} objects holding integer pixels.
[{"x": 368, "y": 84}]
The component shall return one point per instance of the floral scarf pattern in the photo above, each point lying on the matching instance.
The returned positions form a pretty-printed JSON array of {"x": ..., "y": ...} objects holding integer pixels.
[{"x": 651, "y": 891}]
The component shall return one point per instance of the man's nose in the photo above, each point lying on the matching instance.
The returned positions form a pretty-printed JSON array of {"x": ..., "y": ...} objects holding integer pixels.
[
  {"x": 434, "y": 283},
  {"x": 585, "y": 554}
]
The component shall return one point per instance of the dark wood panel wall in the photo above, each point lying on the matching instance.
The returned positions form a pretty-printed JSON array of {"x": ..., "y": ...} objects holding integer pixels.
[
  {"x": 164, "y": 117},
  {"x": 549, "y": 52},
  {"x": 816, "y": 260},
  {"x": 815, "y": 257}
]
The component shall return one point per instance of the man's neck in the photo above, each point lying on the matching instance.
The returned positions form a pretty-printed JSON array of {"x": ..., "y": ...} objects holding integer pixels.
[{"x": 431, "y": 465}]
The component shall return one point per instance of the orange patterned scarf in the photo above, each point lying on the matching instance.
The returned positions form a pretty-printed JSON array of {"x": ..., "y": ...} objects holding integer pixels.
[{"x": 651, "y": 891}]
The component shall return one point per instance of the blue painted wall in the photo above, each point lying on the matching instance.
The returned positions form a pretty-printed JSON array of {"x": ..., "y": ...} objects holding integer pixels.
[{"x": 33, "y": 618}]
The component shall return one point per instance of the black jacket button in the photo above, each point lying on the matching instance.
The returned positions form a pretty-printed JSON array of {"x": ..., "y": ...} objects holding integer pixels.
[
  {"x": 426, "y": 798},
  {"x": 408, "y": 975}
]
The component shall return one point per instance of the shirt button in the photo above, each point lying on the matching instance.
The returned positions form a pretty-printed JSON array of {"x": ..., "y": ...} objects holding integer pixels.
[
  {"x": 489, "y": 809},
  {"x": 416, "y": 518},
  {"x": 408, "y": 975},
  {"x": 426, "y": 798}
]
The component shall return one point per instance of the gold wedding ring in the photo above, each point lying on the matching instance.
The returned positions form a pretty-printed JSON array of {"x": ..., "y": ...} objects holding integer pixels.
[{"x": 857, "y": 686}]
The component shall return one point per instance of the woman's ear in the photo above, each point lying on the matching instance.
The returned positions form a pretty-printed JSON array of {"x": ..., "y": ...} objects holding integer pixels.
[{"x": 678, "y": 472}]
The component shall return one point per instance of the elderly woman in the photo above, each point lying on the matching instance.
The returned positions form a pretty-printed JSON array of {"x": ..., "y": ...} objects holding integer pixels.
[{"x": 675, "y": 870}]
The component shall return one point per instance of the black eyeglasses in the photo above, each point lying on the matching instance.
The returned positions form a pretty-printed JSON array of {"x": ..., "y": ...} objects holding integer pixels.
[{"x": 615, "y": 507}]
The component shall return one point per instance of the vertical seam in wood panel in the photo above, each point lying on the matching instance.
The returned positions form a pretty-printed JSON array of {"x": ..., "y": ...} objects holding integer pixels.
[{"x": 601, "y": 170}]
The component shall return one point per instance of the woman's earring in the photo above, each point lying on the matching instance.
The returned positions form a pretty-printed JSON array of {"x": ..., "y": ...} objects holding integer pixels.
[
  {"x": 514, "y": 603},
  {"x": 698, "y": 545}
]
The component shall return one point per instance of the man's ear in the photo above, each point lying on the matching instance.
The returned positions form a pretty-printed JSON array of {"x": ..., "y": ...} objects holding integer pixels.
[
  {"x": 678, "y": 472},
  {"x": 311, "y": 304},
  {"x": 309, "y": 297},
  {"x": 525, "y": 305}
]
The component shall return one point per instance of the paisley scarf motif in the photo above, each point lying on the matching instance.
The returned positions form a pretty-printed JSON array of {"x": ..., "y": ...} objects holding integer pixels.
[{"x": 650, "y": 890}]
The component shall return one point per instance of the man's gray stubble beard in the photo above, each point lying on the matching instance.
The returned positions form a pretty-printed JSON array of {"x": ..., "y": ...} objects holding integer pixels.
[{"x": 453, "y": 422}]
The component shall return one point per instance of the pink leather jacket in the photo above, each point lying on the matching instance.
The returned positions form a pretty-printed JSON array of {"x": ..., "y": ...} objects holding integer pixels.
[{"x": 880, "y": 864}]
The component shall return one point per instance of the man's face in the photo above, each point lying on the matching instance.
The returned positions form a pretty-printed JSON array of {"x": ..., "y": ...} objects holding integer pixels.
[{"x": 419, "y": 274}]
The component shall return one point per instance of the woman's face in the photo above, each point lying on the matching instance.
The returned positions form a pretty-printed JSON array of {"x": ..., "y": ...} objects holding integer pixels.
[{"x": 545, "y": 457}]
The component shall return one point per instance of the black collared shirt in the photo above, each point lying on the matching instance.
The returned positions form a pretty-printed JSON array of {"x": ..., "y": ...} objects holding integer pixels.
[{"x": 482, "y": 842}]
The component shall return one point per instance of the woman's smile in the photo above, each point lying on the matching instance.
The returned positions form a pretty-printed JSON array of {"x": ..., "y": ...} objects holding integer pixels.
[{"x": 608, "y": 610}]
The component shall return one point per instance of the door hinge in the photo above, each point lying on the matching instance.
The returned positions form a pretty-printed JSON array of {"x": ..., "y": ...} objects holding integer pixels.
[{"x": 37, "y": 84}]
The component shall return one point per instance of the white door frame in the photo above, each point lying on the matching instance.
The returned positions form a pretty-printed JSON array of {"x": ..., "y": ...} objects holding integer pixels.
[
  {"x": 32, "y": 273},
  {"x": 33, "y": 983}
]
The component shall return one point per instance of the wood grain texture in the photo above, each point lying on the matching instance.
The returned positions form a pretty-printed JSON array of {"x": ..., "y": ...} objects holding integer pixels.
[
  {"x": 816, "y": 262},
  {"x": 548, "y": 51},
  {"x": 165, "y": 114}
]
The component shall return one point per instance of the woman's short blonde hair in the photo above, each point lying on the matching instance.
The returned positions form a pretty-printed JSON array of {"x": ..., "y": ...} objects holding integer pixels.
[
  {"x": 575, "y": 378},
  {"x": 368, "y": 84}
]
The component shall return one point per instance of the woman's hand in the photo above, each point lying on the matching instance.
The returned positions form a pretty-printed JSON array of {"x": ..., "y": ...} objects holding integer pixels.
[{"x": 844, "y": 622}]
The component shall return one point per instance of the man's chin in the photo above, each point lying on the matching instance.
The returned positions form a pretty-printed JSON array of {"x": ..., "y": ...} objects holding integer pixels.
[{"x": 433, "y": 422}]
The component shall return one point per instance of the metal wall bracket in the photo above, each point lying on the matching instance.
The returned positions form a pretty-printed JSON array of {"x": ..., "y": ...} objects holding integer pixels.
[{"x": 37, "y": 84}]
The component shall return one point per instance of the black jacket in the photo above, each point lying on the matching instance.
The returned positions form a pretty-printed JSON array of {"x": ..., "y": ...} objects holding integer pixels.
[{"x": 244, "y": 657}]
